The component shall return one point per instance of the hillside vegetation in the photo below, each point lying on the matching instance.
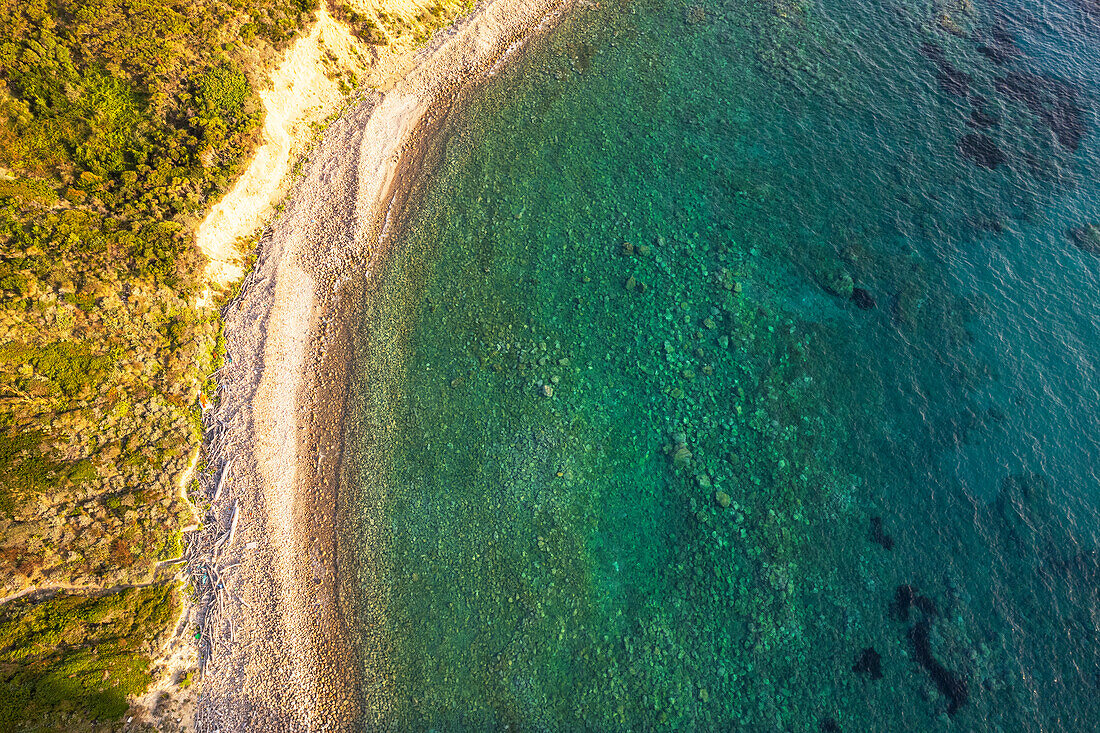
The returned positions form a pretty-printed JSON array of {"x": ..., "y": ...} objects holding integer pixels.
[
  {"x": 72, "y": 660},
  {"x": 121, "y": 122},
  {"x": 398, "y": 24}
]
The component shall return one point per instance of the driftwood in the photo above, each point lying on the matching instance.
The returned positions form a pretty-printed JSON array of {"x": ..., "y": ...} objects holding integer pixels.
[
  {"x": 233, "y": 523},
  {"x": 218, "y": 544},
  {"x": 214, "y": 611},
  {"x": 221, "y": 480}
]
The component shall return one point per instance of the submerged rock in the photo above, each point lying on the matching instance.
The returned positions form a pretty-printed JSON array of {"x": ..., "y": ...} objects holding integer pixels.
[
  {"x": 981, "y": 150},
  {"x": 1086, "y": 238}
]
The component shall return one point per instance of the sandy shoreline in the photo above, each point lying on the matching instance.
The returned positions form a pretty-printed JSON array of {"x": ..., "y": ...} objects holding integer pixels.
[{"x": 280, "y": 654}]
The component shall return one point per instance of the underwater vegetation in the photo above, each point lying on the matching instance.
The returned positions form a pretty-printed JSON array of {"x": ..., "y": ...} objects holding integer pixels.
[
  {"x": 676, "y": 363},
  {"x": 950, "y": 685},
  {"x": 982, "y": 150},
  {"x": 869, "y": 664},
  {"x": 1085, "y": 238}
]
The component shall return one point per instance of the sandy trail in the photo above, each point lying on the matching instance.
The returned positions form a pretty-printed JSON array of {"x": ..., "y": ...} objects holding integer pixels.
[{"x": 283, "y": 658}]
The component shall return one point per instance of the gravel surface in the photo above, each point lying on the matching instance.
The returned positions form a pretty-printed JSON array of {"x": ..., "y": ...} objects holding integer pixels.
[{"x": 278, "y": 652}]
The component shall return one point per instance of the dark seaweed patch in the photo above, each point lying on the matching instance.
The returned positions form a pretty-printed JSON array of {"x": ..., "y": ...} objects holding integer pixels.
[
  {"x": 906, "y": 597},
  {"x": 1053, "y": 101},
  {"x": 868, "y": 664},
  {"x": 980, "y": 116},
  {"x": 865, "y": 301},
  {"x": 879, "y": 536},
  {"x": 950, "y": 79},
  {"x": 933, "y": 53},
  {"x": 1082, "y": 568},
  {"x": 926, "y": 605},
  {"x": 903, "y": 601},
  {"x": 950, "y": 685},
  {"x": 1085, "y": 238},
  {"x": 981, "y": 150},
  {"x": 986, "y": 223},
  {"x": 999, "y": 46}
]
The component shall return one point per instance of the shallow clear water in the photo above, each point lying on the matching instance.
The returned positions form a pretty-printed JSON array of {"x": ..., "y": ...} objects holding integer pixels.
[{"x": 734, "y": 368}]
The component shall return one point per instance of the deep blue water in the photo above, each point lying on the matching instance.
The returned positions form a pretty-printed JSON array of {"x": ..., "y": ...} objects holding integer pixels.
[{"x": 735, "y": 368}]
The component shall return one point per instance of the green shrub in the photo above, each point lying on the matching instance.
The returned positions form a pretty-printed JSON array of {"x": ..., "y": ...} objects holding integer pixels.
[
  {"x": 28, "y": 189},
  {"x": 73, "y": 367},
  {"x": 83, "y": 472},
  {"x": 74, "y": 653},
  {"x": 24, "y": 469},
  {"x": 222, "y": 92}
]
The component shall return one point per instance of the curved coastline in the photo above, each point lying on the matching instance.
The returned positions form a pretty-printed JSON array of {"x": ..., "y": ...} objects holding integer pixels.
[{"x": 282, "y": 654}]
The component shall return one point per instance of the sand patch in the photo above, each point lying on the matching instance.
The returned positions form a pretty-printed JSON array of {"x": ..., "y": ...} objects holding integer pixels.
[{"x": 305, "y": 89}]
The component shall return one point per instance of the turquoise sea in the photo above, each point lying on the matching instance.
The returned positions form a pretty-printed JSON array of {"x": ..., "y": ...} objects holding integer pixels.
[{"x": 735, "y": 367}]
